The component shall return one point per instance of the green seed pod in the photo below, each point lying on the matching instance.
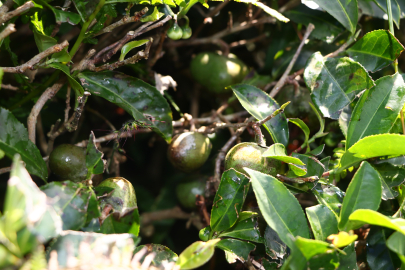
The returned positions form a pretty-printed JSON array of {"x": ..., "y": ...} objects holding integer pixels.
[
  {"x": 186, "y": 193},
  {"x": 205, "y": 233},
  {"x": 187, "y": 32},
  {"x": 175, "y": 32},
  {"x": 68, "y": 162}
]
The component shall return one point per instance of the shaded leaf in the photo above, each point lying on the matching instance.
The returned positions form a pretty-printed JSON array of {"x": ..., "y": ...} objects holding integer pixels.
[
  {"x": 348, "y": 260},
  {"x": 392, "y": 175},
  {"x": 279, "y": 207},
  {"x": 14, "y": 140},
  {"x": 154, "y": 16},
  {"x": 275, "y": 247},
  {"x": 377, "y": 109},
  {"x": 330, "y": 196},
  {"x": 229, "y": 199},
  {"x": 127, "y": 223},
  {"x": 245, "y": 228},
  {"x": 376, "y": 50},
  {"x": 363, "y": 192},
  {"x": 260, "y": 105},
  {"x": 378, "y": 254},
  {"x": 272, "y": 12},
  {"x": 395, "y": 9},
  {"x": 197, "y": 254},
  {"x": 334, "y": 83},
  {"x": 73, "y": 83},
  {"x": 240, "y": 248},
  {"x": 162, "y": 253},
  {"x": 138, "y": 98},
  {"x": 396, "y": 243},
  {"x": 323, "y": 221},
  {"x": 85, "y": 8},
  {"x": 317, "y": 151},
  {"x": 313, "y": 166},
  {"x": 94, "y": 161}
]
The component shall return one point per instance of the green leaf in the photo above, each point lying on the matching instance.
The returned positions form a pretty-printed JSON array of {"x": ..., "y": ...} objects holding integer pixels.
[
  {"x": 392, "y": 175},
  {"x": 162, "y": 254},
  {"x": 229, "y": 199},
  {"x": 323, "y": 221},
  {"x": 313, "y": 166},
  {"x": 373, "y": 146},
  {"x": 86, "y": 8},
  {"x": 326, "y": 27},
  {"x": 310, "y": 248},
  {"x": 260, "y": 105},
  {"x": 240, "y": 248},
  {"x": 334, "y": 83},
  {"x": 330, "y": 196},
  {"x": 377, "y": 109},
  {"x": 317, "y": 151},
  {"x": 138, "y": 98},
  {"x": 14, "y": 140},
  {"x": 131, "y": 45},
  {"x": 371, "y": 217},
  {"x": 275, "y": 247},
  {"x": 345, "y": 11},
  {"x": 154, "y": 16},
  {"x": 378, "y": 254},
  {"x": 197, "y": 254},
  {"x": 396, "y": 243},
  {"x": 376, "y": 50},
  {"x": 301, "y": 124},
  {"x": 65, "y": 16},
  {"x": 277, "y": 151},
  {"x": 94, "y": 161},
  {"x": 126, "y": 223},
  {"x": 1, "y": 75},
  {"x": 325, "y": 261},
  {"x": 270, "y": 11},
  {"x": 279, "y": 207},
  {"x": 245, "y": 228},
  {"x": 363, "y": 192},
  {"x": 71, "y": 201},
  {"x": 73, "y": 83},
  {"x": 395, "y": 8},
  {"x": 349, "y": 260},
  {"x": 70, "y": 245}
]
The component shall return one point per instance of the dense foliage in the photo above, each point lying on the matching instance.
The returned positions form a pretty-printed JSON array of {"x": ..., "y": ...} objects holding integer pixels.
[{"x": 288, "y": 153}]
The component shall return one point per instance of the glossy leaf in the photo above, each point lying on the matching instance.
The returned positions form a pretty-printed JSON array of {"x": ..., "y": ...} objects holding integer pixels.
[
  {"x": 277, "y": 151},
  {"x": 138, "y": 98},
  {"x": 162, "y": 254},
  {"x": 334, "y": 82},
  {"x": 377, "y": 109},
  {"x": 392, "y": 175},
  {"x": 330, "y": 196},
  {"x": 94, "y": 161},
  {"x": 376, "y": 50},
  {"x": 14, "y": 140},
  {"x": 197, "y": 254},
  {"x": 240, "y": 248},
  {"x": 70, "y": 245},
  {"x": 378, "y": 254},
  {"x": 131, "y": 45},
  {"x": 373, "y": 146},
  {"x": 363, "y": 192},
  {"x": 323, "y": 221},
  {"x": 245, "y": 228},
  {"x": 345, "y": 11},
  {"x": 371, "y": 217},
  {"x": 127, "y": 223},
  {"x": 275, "y": 247},
  {"x": 326, "y": 27},
  {"x": 74, "y": 202},
  {"x": 229, "y": 199},
  {"x": 348, "y": 260},
  {"x": 260, "y": 105},
  {"x": 301, "y": 124},
  {"x": 279, "y": 207}
]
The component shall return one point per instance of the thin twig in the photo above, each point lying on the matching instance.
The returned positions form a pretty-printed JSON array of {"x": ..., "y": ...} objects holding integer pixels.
[
  {"x": 35, "y": 60},
  {"x": 176, "y": 212},
  {"x": 5, "y": 170},
  {"x": 298, "y": 179},
  {"x": 32, "y": 118},
  {"x": 6, "y": 7},
  {"x": 18, "y": 11},
  {"x": 67, "y": 103},
  {"x": 41, "y": 135},
  {"x": 283, "y": 78},
  {"x": 9, "y": 87},
  {"x": 10, "y": 28}
]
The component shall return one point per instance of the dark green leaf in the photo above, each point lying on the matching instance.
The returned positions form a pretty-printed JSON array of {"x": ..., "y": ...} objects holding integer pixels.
[
  {"x": 71, "y": 201},
  {"x": 126, "y": 223},
  {"x": 345, "y": 11},
  {"x": 376, "y": 50},
  {"x": 301, "y": 124},
  {"x": 138, "y": 98},
  {"x": 349, "y": 260},
  {"x": 260, "y": 105},
  {"x": 345, "y": 115},
  {"x": 392, "y": 175},
  {"x": 325, "y": 261},
  {"x": 162, "y": 254},
  {"x": 395, "y": 9},
  {"x": 245, "y": 228},
  {"x": 275, "y": 247},
  {"x": 326, "y": 27},
  {"x": 197, "y": 254},
  {"x": 14, "y": 140},
  {"x": 314, "y": 167},
  {"x": 378, "y": 255},
  {"x": 279, "y": 207},
  {"x": 323, "y": 221},
  {"x": 377, "y": 109},
  {"x": 330, "y": 196},
  {"x": 317, "y": 151},
  {"x": 131, "y": 45},
  {"x": 94, "y": 161},
  {"x": 240, "y": 248},
  {"x": 229, "y": 199},
  {"x": 85, "y": 8},
  {"x": 396, "y": 243},
  {"x": 334, "y": 83},
  {"x": 363, "y": 192},
  {"x": 73, "y": 83}
]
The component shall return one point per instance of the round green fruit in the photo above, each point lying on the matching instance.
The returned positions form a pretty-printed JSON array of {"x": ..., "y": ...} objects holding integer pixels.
[
  {"x": 249, "y": 155},
  {"x": 216, "y": 72},
  {"x": 122, "y": 198},
  {"x": 186, "y": 193},
  {"x": 189, "y": 151},
  {"x": 187, "y": 32},
  {"x": 204, "y": 233},
  {"x": 68, "y": 162},
  {"x": 175, "y": 32}
]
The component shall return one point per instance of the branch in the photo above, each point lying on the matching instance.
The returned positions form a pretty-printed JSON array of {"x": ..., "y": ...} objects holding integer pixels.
[
  {"x": 18, "y": 11},
  {"x": 6, "y": 7},
  {"x": 35, "y": 60},
  {"x": 176, "y": 212},
  {"x": 10, "y": 28},
  {"x": 9, "y": 87},
  {"x": 32, "y": 118},
  {"x": 283, "y": 78}
]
